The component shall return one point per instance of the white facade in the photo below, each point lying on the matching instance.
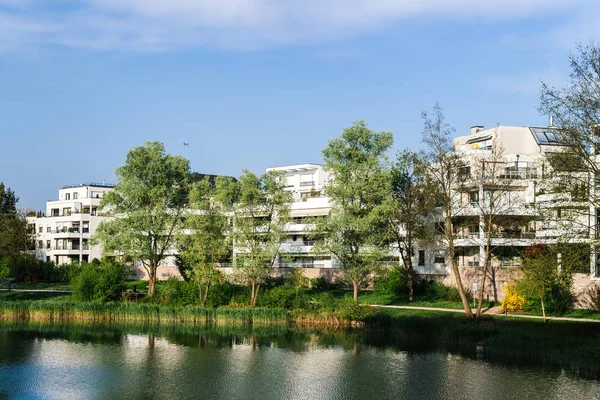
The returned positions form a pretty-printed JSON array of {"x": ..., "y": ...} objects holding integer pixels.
[
  {"x": 62, "y": 233},
  {"x": 307, "y": 183},
  {"x": 537, "y": 210}
]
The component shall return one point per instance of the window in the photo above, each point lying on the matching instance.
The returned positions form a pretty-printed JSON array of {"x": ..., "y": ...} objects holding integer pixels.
[
  {"x": 41, "y": 229},
  {"x": 40, "y": 244},
  {"x": 68, "y": 196},
  {"x": 49, "y": 229},
  {"x": 474, "y": 198},
  {"x": 421, "y": 261},
  {"x": 75, "y": 196},
  {"x": 307, "y": 180},
  {"x": 55, "y": 212},
  {"x": 439, "y": 259},
  {"x": 47, "y": 244}
]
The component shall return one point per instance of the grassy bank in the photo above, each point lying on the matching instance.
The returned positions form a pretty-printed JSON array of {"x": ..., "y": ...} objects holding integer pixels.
[{"x": 68, "y": 311}]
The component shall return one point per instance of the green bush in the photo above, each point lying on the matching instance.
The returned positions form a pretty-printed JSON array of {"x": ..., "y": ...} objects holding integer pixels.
[
  {"x": 221, "y": 294},
  {"x": 99, "y": 283},
  {"x": 278, "y": 297},
  {"x": 354, "y": 312},
  {"x": 559, "y": 298},
  {"x": 176, "y": 292},
  {"x": 393, "y": 281}
]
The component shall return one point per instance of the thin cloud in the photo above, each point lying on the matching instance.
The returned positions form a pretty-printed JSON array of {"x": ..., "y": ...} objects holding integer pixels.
[{"x": 158, "y": 25}]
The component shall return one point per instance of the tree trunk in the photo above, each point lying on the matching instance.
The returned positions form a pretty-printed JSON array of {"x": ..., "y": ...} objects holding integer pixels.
[
  {"x": 485, "y": 271},
  {"x": 493, "y": 281},
  {"x": 203, "y": 302},
  {"x": 409, "y": 273},
  {"x": 151, "y": 280},
  {"x": 355, "y": 285},
  {"x": 455, "y": 270},
  {"x": 255, "y": 287},
  {"x": 543, "y": 308}
]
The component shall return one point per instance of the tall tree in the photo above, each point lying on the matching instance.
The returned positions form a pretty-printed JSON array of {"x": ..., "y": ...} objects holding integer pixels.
[
  {"x": 354, "y": 230},
  {"x": 15, "y": 238},
  {"x": 410, "y": 205},
  {"x": 575, "y": 109},
  {"x": 206, "y": 243},
  {"x": 444, "y": 172},
  {"x": 147, "y": 206},
  {"x": 259, "y": 207},
  {"x": 498, "y": 199}
]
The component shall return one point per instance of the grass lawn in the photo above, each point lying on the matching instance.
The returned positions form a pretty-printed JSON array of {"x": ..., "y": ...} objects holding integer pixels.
[
  {"x": 381, "y": 298},
  {"x": 46, "y": 296}
]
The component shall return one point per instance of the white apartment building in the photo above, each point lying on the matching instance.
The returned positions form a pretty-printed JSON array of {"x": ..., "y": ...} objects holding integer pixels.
[
  {"x": 307, "y": 183},
  {"x": 62, "y": 233},
  {"x": 535, "y": 208}
]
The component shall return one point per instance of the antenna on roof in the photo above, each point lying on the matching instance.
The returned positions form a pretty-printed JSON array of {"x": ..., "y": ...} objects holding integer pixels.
[{"x": 187, "y": 147}]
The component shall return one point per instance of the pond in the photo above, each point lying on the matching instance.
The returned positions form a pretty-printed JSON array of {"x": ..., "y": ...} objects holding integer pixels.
[{"x": 42, "y": 361}]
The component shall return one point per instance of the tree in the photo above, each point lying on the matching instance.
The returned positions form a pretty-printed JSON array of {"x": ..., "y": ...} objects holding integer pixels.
[
  {"x": 544, "y": 279},
  {"x": 206, "y": 244},
  {"x": 259, "y": 207},
  {"x": 444, "y": 172},
  {"x": 575, "y": 109},
  {"x": 410, "y": 204},
  {"x": 15, "y": 238},
  {"x": 354, "y": 231},
  {"x": 497, "y": 199},
  {"x": 147, "y": 206}
]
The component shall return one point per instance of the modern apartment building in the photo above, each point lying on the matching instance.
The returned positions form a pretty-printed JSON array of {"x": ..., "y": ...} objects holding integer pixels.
[
  {"x": 535, "y": 206},
  {"x": 63, "y": 231}
]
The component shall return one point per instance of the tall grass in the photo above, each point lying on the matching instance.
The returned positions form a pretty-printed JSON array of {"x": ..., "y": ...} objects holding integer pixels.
[{"x": 139, "y": 312}]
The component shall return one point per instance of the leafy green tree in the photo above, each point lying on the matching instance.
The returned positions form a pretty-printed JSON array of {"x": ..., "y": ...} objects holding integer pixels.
[
  {"x": 15, "y": 238},
  {"x": 544, "y": 279},
  {"x": 206, "y": 243},
  {"x": 354, "y": 230},
  {"x": 410, "y": 205},
  {"x": 259, "y": 207},
  {"x": 147, "y": 207}
]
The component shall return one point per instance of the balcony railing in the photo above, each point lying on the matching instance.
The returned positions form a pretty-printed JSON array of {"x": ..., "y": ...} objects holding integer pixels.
[{"x": 307, "y": 183}]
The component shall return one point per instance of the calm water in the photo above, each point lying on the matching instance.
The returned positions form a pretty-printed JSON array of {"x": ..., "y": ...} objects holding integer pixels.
[{"x": 67, "y": 362}]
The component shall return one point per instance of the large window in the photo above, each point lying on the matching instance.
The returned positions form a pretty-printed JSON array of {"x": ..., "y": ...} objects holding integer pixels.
[
  {"x": 68, "y": 196},
  {"x": 421, "y": 260},
  {"x": 307, "y": 180}
]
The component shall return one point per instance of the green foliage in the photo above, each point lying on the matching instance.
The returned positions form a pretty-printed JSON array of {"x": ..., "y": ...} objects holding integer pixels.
[
  {"x": 351, "y": 311},
  {"x": 545, "y": 286},
  {"x": 207, "y": 243},
  {"x": 178, "y": 293},
  {"x": 354, "y": 230},
  {"x": 99, "y": 283},
  {"x": 393, "y": 281},
  {"x": 278, "y": 297},
  {"x": 4, "y": 268},
  {"x": 148, "y": 204},
  {"x": 259, "y": 209}
]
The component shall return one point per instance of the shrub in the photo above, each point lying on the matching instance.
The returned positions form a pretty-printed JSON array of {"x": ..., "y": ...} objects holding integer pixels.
[
  {"x": 513, "y": 299},
  {"x": 100, "y": 284},
  {"x": 221, "y": 294},
  {"x": 278, "y": 297},
  {"x": 354, "y": 312},
  {"x": 176, "y": 292},
  {"x": 393, "y": 281},
  {"x": 591, "y": 298}
]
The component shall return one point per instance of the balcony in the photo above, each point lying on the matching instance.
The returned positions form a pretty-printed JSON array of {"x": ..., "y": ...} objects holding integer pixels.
[{"x": 307, "y": 183}]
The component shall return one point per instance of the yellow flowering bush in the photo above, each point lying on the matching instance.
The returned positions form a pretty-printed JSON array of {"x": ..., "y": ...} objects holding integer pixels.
[{"x": 513, "y": 300}]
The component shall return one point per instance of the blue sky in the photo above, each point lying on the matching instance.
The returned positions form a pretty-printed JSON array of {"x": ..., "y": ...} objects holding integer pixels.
[{"x": 259, "y": 83}]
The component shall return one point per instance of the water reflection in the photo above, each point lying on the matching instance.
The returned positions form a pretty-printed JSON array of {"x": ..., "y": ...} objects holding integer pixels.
[{"x": 75, "y": 362}]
